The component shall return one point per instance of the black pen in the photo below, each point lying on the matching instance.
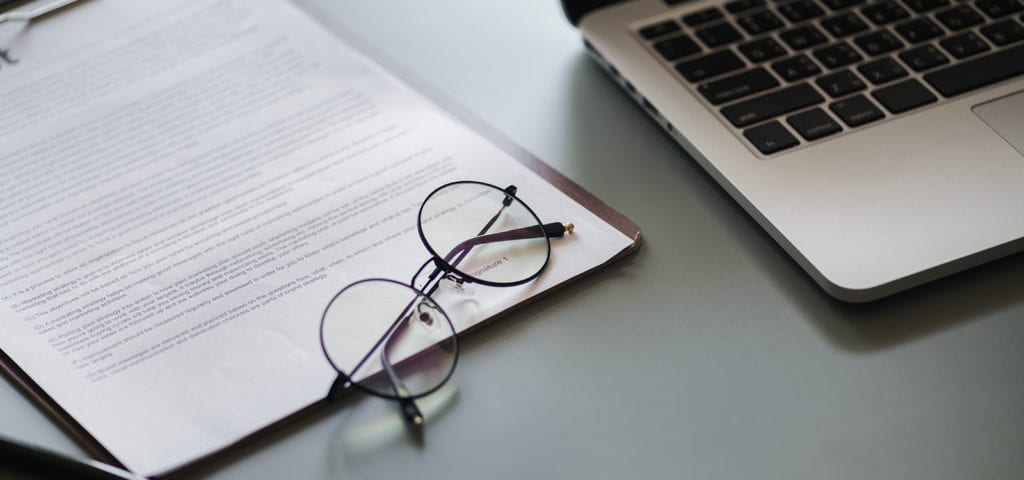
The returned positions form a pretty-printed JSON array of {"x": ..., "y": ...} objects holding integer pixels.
[
  {"x": 28, "y": 16},
  {"x": 49, "y": 464}
]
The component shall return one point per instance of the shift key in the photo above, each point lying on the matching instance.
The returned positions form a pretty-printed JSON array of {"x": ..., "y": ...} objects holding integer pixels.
[
  {"x": 979, "y": 72},
  {"x": 751, "y": 111},
  {"x": 737, "y": 86},
  {"x": 708, "y": 66}
]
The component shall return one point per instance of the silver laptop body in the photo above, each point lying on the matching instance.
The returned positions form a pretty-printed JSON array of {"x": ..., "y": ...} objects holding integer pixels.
[{"x": 867, "y": 210}]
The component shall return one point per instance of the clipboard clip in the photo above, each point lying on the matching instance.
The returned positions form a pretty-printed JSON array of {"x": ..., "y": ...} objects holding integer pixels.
[{"x": 29, "y": 15}]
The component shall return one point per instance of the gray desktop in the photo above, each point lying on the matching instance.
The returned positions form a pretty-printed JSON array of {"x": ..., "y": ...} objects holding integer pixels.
[{"x": 708, "y": 354}]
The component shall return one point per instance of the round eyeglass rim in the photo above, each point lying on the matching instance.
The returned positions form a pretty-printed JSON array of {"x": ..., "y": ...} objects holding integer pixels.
[
  {"x": 350, "y": 381},
  {"x": 439, "y": 261}
]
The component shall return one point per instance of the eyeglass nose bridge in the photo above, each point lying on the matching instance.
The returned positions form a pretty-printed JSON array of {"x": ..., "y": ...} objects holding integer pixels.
[{"x": 449, "y": 272}]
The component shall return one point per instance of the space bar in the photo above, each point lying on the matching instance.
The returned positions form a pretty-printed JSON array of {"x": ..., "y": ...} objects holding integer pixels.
[{"x": 977, "y": 73}]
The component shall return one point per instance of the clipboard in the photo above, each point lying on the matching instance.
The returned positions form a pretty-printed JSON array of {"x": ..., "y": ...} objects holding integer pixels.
[{"x": 17, "y": 376}]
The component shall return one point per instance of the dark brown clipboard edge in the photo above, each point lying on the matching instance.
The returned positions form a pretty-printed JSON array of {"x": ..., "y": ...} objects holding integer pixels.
[
  {"x": 28, "y": 387},
  {"x": 598, "y": 207}
]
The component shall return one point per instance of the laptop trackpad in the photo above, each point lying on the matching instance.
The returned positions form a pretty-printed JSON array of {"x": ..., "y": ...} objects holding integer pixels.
[{"x": 1004, "y": 116}]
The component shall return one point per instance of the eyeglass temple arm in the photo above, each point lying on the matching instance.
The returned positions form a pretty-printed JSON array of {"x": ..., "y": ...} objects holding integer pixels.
[
  {"x": 527, "y": 232},
  {"x": 550, "y": 230},
  {"x": 411, "y": 413}
]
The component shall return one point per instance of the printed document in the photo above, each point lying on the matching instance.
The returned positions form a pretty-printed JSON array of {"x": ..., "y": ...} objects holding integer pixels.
[{"x": 187, "y": 183}]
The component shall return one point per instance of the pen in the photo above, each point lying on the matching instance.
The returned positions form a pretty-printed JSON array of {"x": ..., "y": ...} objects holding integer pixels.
[
  {"x": 33, "y": 14},
  {"x": 49, "y": 464}
]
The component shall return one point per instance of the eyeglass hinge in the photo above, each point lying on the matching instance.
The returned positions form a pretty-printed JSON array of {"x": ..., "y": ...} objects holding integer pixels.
[{"x": 509, "y": 192}]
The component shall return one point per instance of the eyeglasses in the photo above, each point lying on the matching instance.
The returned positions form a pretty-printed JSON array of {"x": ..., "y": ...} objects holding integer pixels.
[{"x": 392, "y": 339}]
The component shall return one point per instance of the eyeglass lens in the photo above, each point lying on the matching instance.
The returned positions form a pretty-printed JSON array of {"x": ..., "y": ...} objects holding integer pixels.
[
  {"x": 389, "y": 339},
  {"x": 485, "y": 234}
]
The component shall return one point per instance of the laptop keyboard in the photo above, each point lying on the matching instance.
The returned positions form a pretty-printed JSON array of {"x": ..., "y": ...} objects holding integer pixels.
[{"x": 791, "y": 72}]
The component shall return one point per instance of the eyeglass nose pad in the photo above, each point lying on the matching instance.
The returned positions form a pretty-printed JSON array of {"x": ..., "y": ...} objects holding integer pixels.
[
  {"x": 426, "y": 320},
  {"x": 448, "y": 276},
  {"x": 458, "y": 285}
]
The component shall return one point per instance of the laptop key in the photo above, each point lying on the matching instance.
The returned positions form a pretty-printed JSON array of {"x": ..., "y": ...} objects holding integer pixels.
[
  {"x": 708, "y": 66},
  {"x": 837, "y": 55},
  {"x": 676, "y": 48},
  {"x": 999, "y": 8},
  {"x": 659, "y": 30},
  {"x": 718, "y": 35},
  {"x": 884, "y": 12},
  {"x": 978, "y": 72},
  {"x": 841, "y": 4},
  {"x": 754, "y": 110},
  {"x": 959, "y": 17},
  {"x": 771, "y": 137},
  {"x": 845, "y": 24},
  {"x": 923, "y": 58},
  {"x": 814, "y": 124},
  {"x": 702, "y": 16},
  {"x": 803, "y": 37},
  {"x": 882, "y": 71},
  {"x": 800, "y": 10},
  {"x": 762, "y": 50},
  {"x": 856, "y": 110},
  {"x": 796, "y": 68},
  {"x": 738, "y": 86},
  {"x": 1004, "y": 32},
  {"x": 918, "y": 30},
  {"x": 738, "y": 6},
  {"x": 921, "y": 6},
  {"x": 903, "y": 96},
  {"x": 760, "y": 22},
  {"x": 840, "y": 84},
  {"x": 964, "y": 45},
  {"x": 877, "y": 43}
]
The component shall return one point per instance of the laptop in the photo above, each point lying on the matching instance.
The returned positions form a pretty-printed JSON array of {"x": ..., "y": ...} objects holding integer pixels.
[{"x": 879, "y": 142}]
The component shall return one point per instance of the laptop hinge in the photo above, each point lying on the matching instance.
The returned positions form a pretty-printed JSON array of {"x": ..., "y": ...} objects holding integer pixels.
[{"x": 575, "y": 9}]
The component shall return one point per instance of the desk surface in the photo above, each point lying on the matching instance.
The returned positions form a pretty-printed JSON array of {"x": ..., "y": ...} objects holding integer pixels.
[{"x": 709, "y": 354}]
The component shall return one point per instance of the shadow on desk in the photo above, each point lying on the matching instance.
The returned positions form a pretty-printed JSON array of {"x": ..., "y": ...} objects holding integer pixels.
[
  {"x": 970, "y": 295},
  {"x": 593, "y": 100},
  {"x": 348, "y": 434}
]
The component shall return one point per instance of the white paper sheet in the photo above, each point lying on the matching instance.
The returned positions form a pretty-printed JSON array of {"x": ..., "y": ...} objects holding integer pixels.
[{"x": 185, "y": 186}]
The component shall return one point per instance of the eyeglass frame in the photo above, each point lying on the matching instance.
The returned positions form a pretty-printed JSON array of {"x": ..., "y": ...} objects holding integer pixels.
[{"x": 444, "y": 268}]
